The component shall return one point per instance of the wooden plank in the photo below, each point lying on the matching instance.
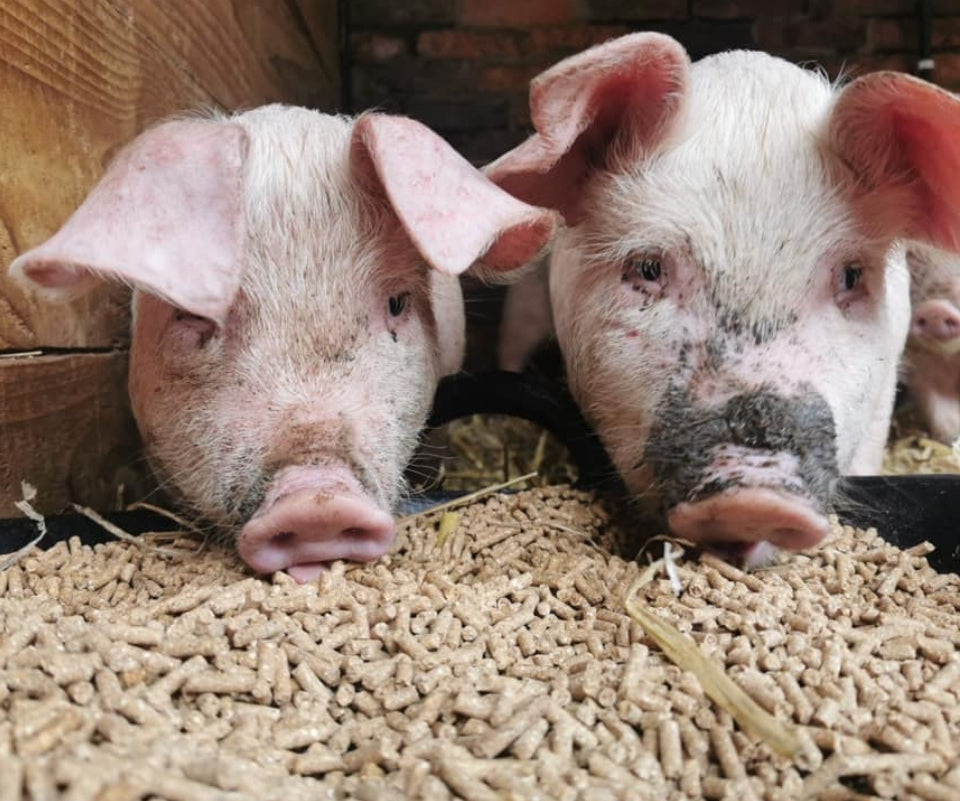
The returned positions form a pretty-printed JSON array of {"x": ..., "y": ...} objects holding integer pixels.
[
  {"x": 81, "y": 78},
  {"x": 66, "y": 429}
]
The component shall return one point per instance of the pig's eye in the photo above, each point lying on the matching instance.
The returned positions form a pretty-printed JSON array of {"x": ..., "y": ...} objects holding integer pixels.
[
  {"x": 647, "y": 267},
  {"x": 852, "y": 275},
  {"x": 850, "y": 288},
  {"x": 644, "y": 274},
  {"x": 398, "y": 303}
]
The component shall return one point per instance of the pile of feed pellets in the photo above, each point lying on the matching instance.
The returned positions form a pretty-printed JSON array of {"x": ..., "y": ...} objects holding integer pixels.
[{"x": 490, "y": 656}]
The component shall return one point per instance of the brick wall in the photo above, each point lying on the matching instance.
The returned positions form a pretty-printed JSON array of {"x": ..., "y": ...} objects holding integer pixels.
[{"x": 462, "y": 66}]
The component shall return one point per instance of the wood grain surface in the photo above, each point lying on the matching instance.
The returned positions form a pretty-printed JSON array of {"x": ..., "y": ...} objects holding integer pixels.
[{"x": 67, "y": 430}]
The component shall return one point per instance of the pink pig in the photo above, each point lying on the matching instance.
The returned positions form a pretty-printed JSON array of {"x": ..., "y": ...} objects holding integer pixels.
[
  {"x": 296, "y": 302},
  {"x": 729, "y": 293},
  {"x": 932, "y": 360}
]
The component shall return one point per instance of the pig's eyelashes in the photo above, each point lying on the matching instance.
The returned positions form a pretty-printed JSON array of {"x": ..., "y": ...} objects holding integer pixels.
[
  {"x": 398, "y": 303},
  {"x": 648, "y": 268}
]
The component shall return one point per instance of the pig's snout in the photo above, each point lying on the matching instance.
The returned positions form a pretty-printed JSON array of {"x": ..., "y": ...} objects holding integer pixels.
[
  {"x": 936, "y": 321},
  {"x": 761, "y": 468},
  {"x": 309, "y": 519},
  {"x": 737, "y": 520}
]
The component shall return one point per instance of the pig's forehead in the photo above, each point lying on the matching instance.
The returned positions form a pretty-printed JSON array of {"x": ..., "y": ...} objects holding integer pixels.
[
  {"x": 305, "y": 212},
  {"x": 721, "y": 215},
  {"x": 749, "y": 116},
  {"x": 744, "y": 175},
  {"x": 297, "y": 161}
]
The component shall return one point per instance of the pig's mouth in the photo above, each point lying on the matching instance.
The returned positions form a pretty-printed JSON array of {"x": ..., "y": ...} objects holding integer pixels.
[{"x": 754, "y": 474}]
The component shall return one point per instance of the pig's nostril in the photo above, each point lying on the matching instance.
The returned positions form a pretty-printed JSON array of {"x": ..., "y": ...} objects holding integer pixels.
[
  {"x": 749, "y": 515},
  {"x": 299, "y": 530}
]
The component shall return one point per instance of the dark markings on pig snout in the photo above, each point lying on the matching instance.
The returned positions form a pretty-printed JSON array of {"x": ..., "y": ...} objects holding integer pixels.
[
  {"x": 737, "y": 324},
  {"x": 682, "y": 441}
]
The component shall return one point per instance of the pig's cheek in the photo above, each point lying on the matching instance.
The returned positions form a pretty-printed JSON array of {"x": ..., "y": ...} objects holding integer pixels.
[{"x": 639, "y": 295}]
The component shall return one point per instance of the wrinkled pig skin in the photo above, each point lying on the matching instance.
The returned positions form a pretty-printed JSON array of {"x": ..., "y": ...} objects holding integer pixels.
[
  {"x": 932, "y": 359},
  {"x": 296, "y": 303},
  {"x": 730, "y": 291}
]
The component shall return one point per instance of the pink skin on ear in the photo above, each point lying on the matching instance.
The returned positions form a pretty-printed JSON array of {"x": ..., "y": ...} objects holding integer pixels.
[
  {"x": 451, "y": 212},
  {"x": 622, "y": 95},
  {"x": 166, "y": 217},
  {"x": 900, "y": 137}
]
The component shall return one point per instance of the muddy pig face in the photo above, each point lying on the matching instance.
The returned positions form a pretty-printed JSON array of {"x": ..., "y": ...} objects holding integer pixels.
[
  {"x": 729, "y": 294},
  {"x": 932, "y": 359},
  {"x": 296, "y": 303}
]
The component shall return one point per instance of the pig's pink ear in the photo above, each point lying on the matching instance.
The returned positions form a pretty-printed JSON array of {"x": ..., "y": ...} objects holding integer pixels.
[
  {"x": 605, "y": 106},
  {"x": 166, "y": 217},
  {"x": 900, "y": 138},
  {"x": 451, "y": 212}
]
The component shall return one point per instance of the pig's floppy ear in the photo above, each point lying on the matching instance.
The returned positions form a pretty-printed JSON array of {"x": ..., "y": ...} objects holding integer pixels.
[
  {"x": 166, "y": 217},
  {"x": 607, "y": 105},
  {"x": 900, "y": 138},
  {"x": 450, "y": 211}
]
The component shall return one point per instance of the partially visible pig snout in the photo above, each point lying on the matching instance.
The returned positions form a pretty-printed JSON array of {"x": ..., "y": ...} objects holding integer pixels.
[
  {"x": 760, "y": 468},
  {"x": 311, "y": 516},
  {"x": 936, "y": 326}
]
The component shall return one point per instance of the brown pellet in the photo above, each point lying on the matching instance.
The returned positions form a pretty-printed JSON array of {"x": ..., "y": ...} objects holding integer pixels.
[
  {"x": 671, "y": 751},
  {"x": 505, "y": 672}
]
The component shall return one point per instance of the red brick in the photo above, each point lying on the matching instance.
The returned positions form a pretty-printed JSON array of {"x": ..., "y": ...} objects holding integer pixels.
[
  {"x": 891, "y": 34},
  {"x": 634, "y": 11},
  {"x": 862, "y": 8},
  {"x": 375, "y": 47},
  {"x": 559, "y": 41},
  {"x": 738, "y": 9},
  {"x": 799, "y": 36},
  {"x": 946, "y": 33},
  {"x": 516, "y": 13},
  {"x": 508, "y": 78},
  {"x": 894, "y": 34},
  {"x": 702, "y": 37},
  {"x": 946, "y": 71},
  {"x": 452, "y": 43},
  {"x": 520, "y": 111},
  {"x": 376, "y": 13},
  {"x": 483, "y": 146},
  {"x": 460, "y": 114},
  {"x": 409, "y": 78}
]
